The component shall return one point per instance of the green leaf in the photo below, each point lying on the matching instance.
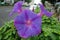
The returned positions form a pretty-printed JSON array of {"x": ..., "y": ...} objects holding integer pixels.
[
  {"x": 47, "y": 31},
  {"x": 53, "y": 37},
  {"x": 0, "y": 36},
  {"x": 56, "y": 31},
  {"x": 8, "y": 33}
]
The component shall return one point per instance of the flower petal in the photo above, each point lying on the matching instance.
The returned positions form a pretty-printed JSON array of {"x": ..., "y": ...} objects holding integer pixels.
[
  {"x": 45, "y": 11},
  {"x": 19, "y": 21},
  {"x": 17, "y": 7},
  {"x": 21, "y": 32},
  {"x": 25, "y": 31},
  {"x": 30, "y": 14}
]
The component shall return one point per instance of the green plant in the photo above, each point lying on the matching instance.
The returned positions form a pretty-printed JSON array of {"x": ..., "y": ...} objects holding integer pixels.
[
  {"x": 37, "y": 10},
  {"x": 8, "y": 32},
  {"x": 50, "y": 30}
]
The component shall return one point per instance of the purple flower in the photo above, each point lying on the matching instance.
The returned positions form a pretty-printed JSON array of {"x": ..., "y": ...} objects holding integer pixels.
[
  {"x": 28, "y": 24},
  {"x": 17, "y": 8},
  {"x": 44, "y": 11}
]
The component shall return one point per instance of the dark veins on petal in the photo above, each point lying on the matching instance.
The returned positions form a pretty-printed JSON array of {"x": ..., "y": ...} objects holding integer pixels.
[
  {"x": 38, "y": 31},
  {"x": 26, "y": 16},
  {"x": 19, "y": 22},
  {"x": 35, "y": 18}
]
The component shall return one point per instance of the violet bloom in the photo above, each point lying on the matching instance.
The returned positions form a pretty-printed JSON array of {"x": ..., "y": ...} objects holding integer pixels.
[
  {"x": 17, "y": 8},
  {"x": 44, "y": 11},
  {"x": 28, "y": 24}
]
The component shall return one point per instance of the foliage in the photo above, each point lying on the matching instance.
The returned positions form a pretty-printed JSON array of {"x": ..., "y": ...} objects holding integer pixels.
[
  {"x": 50, "y": 30},
  {"x": 8, "y": 32},
  {"x": 28, "y": 1},
  {"x": 37, "y": 10}
]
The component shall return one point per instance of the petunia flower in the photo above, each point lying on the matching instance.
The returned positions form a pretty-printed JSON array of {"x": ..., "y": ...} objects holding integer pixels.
[
  {"x": 17, "y": 8},
  {"x": 28, "y": 24},
  {"x": 44, "y": 11}
]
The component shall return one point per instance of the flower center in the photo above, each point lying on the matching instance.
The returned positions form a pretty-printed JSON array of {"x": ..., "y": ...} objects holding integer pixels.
[
  {"x": 28, "y": 22},
  {"x": 20, "y": 10}
]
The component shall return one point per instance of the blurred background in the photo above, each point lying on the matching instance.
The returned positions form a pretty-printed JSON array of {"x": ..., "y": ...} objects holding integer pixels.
[{"x": 7, "y": 5}]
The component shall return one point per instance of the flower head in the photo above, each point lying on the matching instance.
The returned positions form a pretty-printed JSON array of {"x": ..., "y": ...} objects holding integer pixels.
[
  {"x": 44, "y": 11},
  {"x": 28, "y": 24},
  {"x": 17, "y": 7}
]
